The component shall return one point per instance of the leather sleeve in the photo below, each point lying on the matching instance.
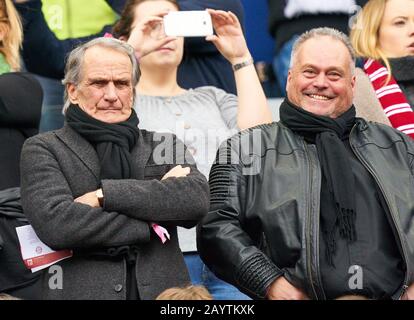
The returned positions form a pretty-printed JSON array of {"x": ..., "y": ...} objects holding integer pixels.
[{"x": 222, "y": 240}]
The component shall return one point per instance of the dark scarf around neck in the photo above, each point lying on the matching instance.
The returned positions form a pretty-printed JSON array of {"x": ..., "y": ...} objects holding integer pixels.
[
  {"x": 333, "y": 156},
  {"x": 113, "y": 142}
]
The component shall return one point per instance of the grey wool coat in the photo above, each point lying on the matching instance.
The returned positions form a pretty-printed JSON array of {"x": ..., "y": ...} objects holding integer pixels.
[{"x": 59, "y": 166}]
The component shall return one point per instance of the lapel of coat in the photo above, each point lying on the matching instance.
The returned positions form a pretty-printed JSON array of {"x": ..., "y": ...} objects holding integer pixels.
[
  {"x": 140, "y": 155},
  {"x": 87, "y": 154},
  {"x": 81, "y": 148}
]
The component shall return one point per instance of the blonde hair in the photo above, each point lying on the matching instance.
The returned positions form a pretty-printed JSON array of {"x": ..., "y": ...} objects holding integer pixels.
[
  {"x": 365, "y": 32},
  {"x": 187, "y": 293},
  {"x": 13, "y": 35}
]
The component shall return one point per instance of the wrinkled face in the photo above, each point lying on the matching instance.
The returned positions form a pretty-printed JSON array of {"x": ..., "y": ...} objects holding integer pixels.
[
  {"x": 172, "y": 53},
  {"x": 105, "y": 91},
  {"x": 396, "y": 33},
  {"x": 320, "y": 80}
]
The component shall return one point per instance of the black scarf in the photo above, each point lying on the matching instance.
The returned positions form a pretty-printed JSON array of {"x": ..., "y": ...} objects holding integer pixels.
[
  {"x": 338, "y": 178},
  {"x": 113, "y": 142}
]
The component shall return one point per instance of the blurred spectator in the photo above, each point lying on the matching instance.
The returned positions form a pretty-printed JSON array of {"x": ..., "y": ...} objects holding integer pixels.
[
  {"x": 203, "y": 65},
  {"x": 20, "y": 105},
  {"x": 290, "y": 18},
  {"x": 20, "y": 96},
  {"x": 384, "y": 36},
  {"x": 186, "y": 293},
  {"x": 10, "y": 37},
  {"x": 77, "y": 18},
  {"x": 261, "y": 44}
]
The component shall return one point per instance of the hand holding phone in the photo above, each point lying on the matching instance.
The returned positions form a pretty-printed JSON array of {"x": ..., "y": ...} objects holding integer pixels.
[
  {"x": 188, "y": 24},
  {"x": 142, "y": 37},
  {"x": 229, "y": 38}
]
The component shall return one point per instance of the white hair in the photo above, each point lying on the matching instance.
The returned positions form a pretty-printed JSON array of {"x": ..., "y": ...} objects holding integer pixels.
[
  {"x": 74, "y": 64},
  {"x": 323, "y": 32}
]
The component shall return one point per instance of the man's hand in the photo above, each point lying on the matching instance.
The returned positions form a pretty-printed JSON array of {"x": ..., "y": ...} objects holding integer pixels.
[
  {"x": 177, "y": 172},
  {"x": 89, "y": 199},
  {"x": 281, "y": 289},
  {"x": 148, "y": 35},
  {"x": 409, "y": 293}
]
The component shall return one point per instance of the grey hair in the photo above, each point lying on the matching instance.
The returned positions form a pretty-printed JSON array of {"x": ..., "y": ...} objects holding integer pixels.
[
  {"x": 322, "y": 32},
  {"x": 73, "y": 68}
]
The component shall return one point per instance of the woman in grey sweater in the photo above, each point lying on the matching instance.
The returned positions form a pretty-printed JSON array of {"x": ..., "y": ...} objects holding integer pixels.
[{"x": 201, "y": 117}]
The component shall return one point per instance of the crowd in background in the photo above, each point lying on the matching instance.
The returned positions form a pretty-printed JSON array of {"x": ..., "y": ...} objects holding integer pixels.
[{"x": 195, "y": 90}]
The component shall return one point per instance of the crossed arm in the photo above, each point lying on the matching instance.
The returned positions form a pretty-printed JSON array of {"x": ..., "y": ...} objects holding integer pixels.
[{"x": 61, "y": 222}]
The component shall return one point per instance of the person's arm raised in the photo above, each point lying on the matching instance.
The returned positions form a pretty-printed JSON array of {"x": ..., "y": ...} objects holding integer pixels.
[
  {"x": 142, "y": 38},
  {"x": 229, "y": 40}
]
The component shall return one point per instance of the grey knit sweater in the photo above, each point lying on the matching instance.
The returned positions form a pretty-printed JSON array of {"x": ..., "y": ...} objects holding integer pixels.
[{"x": 202, "y": 118}]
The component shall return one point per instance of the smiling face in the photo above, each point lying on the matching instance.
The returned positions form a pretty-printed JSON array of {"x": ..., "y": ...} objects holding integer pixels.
[
  {"x": 396, "y": 33},
  {"x": 320, "y": 80},
  {"x": 172, "y": 53},
  {"x": 105, "y": 91}
]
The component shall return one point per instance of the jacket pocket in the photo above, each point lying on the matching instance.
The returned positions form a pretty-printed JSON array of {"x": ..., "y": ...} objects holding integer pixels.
[{"x": 282, "y": 231}]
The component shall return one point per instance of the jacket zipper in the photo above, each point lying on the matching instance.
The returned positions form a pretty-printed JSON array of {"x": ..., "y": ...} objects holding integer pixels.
[
  {"x": 404, "y": 289},
  {"x": 308, "y": 246},
  {"x": 405, "y": 286}
]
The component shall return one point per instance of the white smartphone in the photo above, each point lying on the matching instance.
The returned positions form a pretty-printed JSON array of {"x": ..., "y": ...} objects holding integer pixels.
[{"x": 188, "y": 24}]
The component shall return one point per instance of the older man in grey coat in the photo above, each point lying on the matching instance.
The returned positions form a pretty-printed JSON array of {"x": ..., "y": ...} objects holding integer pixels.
[{"x": 105, "y": 189}]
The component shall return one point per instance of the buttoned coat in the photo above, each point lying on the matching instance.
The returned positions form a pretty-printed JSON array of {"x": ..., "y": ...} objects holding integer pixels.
[{"x": 59, "y": 166}]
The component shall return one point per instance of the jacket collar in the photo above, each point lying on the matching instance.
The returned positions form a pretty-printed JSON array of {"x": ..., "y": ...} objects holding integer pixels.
[
  {"x": 81, "y": 148},
  {"x": 140, "y": 155},
  {"x": 87, "y": 154}
]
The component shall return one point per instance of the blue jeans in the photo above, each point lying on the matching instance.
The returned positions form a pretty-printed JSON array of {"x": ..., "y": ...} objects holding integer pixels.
[
  {"x": 201, "y": 275},
  {"x": 281, "y": 63},
  {"x": 52, "y": 117}
]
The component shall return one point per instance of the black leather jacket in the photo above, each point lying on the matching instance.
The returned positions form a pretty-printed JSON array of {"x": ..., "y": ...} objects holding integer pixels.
[{"x": 265, "y": 196}]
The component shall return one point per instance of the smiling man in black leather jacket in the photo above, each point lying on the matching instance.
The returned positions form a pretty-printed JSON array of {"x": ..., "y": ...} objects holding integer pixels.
[{"x": 320, "y": 204}]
